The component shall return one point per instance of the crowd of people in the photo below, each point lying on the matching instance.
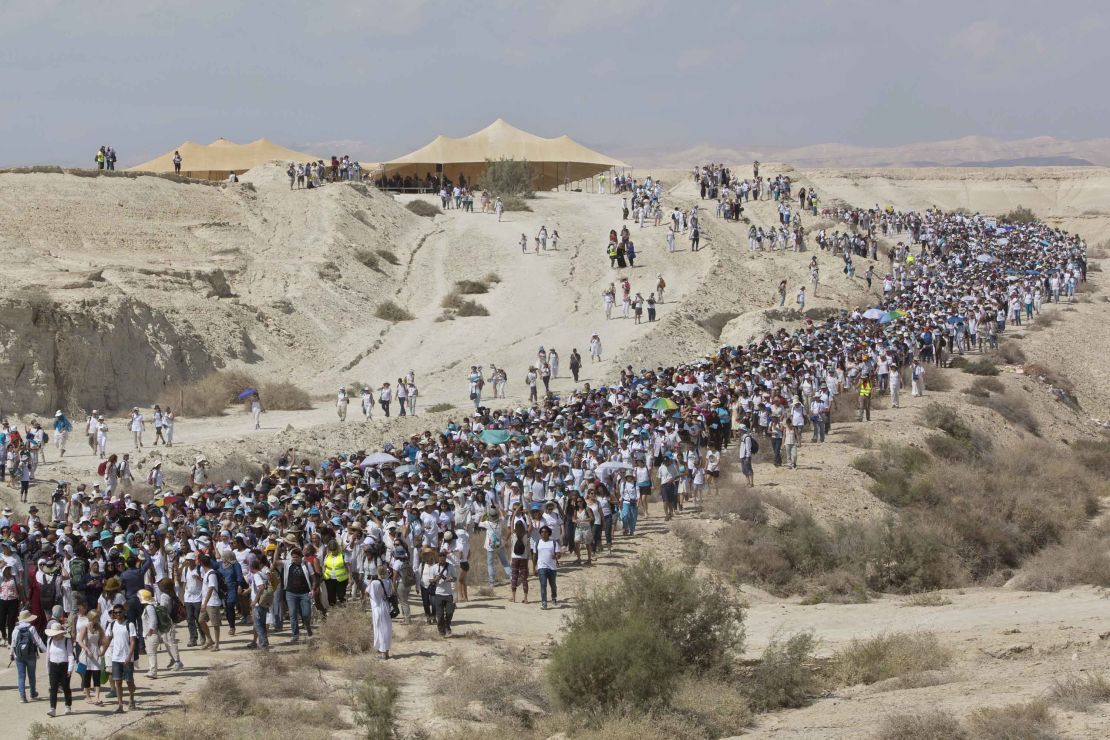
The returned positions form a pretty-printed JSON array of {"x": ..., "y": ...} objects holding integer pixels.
[
  {"x": 314, "y": 174},
  {"x": 396, "y": 529}
]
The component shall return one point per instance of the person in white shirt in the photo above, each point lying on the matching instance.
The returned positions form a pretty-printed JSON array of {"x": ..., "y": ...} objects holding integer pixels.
[
  {"x": 137, "y": 425},
  {"x": 441, "y": 581},
  {"x": 341, "y": 402},
  {"x": 746, "y": 455},
  {"x": 122, "y": 638},
  {"x": 547, "y": 564},
  {"x": 101, "y": 437},
  {"x": 367, "y": 404},
  {"x": 60, "y": 665},
  {"x": 90, "y": 429}
]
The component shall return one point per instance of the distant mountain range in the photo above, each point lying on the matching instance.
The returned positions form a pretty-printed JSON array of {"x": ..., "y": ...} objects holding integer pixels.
[{"x": 969, "y": 151}]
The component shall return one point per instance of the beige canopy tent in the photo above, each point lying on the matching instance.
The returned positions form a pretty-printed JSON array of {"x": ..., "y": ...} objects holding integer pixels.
[
  {"x": 219, "y": 159},
  {"x": 554, "y": 161}
]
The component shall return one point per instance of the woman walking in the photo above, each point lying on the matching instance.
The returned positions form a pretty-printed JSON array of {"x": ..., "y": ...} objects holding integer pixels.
[
  {"x": 380, "y": 591},
  {"x": 547, "y": 565}
]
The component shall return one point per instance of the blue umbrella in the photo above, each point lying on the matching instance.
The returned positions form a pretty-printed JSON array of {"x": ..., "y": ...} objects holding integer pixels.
[
  {"x": 494, "y": 436},
  {"x": 247, "y": 393}
]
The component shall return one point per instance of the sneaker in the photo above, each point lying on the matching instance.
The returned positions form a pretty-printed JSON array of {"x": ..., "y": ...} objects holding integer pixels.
[
  {"x": 448, "y": 632},
  {"x": 191, "y": 643},
  {"x": 176, "y": 666},
  {"x": 309, "y": 631},
  {"x": 51, "y": 713},
  {"x": 151, "y": 675},
  {"x": 69, "y": 710}
]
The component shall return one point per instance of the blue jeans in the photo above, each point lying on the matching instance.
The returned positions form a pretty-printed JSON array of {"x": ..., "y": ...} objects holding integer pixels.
[
  {"x": 490, "y": 565},
  {"x": 818, "y": 429},
  {"x": 547, "y": 576},
  {"x": 25, "y": 673},
  {"x": 300, "y": 605},
  {"x": 260, "y": 626},
  {"x": 630, "y": 512}
]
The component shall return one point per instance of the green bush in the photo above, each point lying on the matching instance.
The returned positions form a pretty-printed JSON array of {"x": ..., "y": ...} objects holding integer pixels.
[
  {"x": 208, "y": 396},
  {"x": 785, "y": 677},
  {"x": 1020, "y": 215},
  {"x": 368, "y": 259},
  {"x": 699, "y": 617},
  {"x": 508, "y": 178},
  {"x": 374, "y": 700},
  {"x": 513, "y": 203},
  {"x": 913, "y": 553},
  {"x": 626, "y": 662},
  {"x": 284, "y": 396},
  {"x": 981, "y": 367},
  {"x": 892, "y": 469},
  {"x": 984, "y": 386},
  {"x": 390, "y": 311},
  {"x": 423, "y": 208}
]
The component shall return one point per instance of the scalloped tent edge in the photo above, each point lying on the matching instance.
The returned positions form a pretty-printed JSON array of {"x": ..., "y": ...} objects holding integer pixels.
[
  {"x": 555, "y": 161},
  {"x": 219, "y": 159}
]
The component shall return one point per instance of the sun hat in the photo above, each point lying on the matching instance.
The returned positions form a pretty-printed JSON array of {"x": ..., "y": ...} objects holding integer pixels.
[
  {"x": 146, "y": 596},
  {"x": 54, "y": 631},
  {"x": 27, "y": 616}
]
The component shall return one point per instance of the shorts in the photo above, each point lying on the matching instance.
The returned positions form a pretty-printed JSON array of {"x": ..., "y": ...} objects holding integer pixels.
[
  {"x": 714, "y": 473},
  {"x": 746, "y": 465},
  {"x": 123, "y": 671},
  {"x": 212, "y": 614},
  {"x": 465, "y": 566}
]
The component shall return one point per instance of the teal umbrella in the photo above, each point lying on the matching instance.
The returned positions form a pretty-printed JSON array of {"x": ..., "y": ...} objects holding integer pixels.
[
  {"x": 495, "y": 436},
  {"x": 661, "y": 404}
]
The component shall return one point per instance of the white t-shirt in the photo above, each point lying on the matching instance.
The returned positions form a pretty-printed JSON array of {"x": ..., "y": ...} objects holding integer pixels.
[
  {"x": 545, "y": 554},
  {"x": 120, "y": 649},
  {"x": 193, "y": 582},
  {"x": 211, "y": 581}
]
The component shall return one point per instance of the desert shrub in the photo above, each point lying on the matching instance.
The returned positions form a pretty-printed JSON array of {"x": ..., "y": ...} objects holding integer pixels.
[
  {"x": 492, "y": 682},
  {"x": 741, "y": 504},
  {"x": 1011, "y": 408},
  {"x": 208, "y": 396},
  {"x": 929, "y": 725},
  {"x": 913, "y": 553},
  {"x": 1032, "y": 721},
  {"x": 784, "y": 677},
  {"x": 491, "y": 277},
  {"x": 960, "y": 441},
  {"x": 1020, "y": 215},
  {"x": 1011, "y": 353},
  {"x": 719, "y": 707},
  {"x": 957, "y": 361},
  {"x": 888, "y": 656},
  {"x": 463, "y": 306},
  {"x": 948, "y": 448},
  {"x": 840, "y": 586},
  {"x": 225, "y": 695},
  {"x": 513, "y": 203},
  {"x": 779, "y": 559},
  {"x": 1083, "y": 558},
  {"x": 981, "y": 367},
  {"x": 692, "y": 546},
  {"x": 390, "y": 311},
  {"x": 625, "y": 662},
  {"x": 423, "y": 208},
  {"x": 938, "y": 380},
  {"x": 347, "y": 631},
  {"x": 439, "y": 407},
  {"x": 40, "y": 731},
  {"x": 1093, "y": 454},
  {"x": 508, "y": 178},
  {"x": 699, "y": 617},
  {"x": 892, "y": 469},
  {"x": 1079, "y": 692},
  {"x": 928, "y": 598},
  {"x": 388, "y": 256},
  {"x": 471, "y": 287},
  {"x": 374, "y": 700},
  {"x": 983, "y": 387},
  {"x": 283, "y": 396},
  {"x": 366, "y": 258}
]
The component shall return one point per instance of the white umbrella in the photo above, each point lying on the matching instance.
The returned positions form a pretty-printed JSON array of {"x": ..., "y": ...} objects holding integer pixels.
[
  {"x": 969, "y": 299},
  {"x": 985, "y": 258},
  {"x": 874, "y": 313},
  {"x": 377, "y": 458},
  {"x": 686, "y": 387},
  {"x": 613, "y": 465}
]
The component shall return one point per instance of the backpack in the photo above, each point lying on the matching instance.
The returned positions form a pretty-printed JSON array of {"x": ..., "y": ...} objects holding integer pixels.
[
  {"x": 754, "y": 445},
  {"x": 266, "y": 595},
  {"x": 102, "y": 468},
  {"x": 177, "y": 609},
  {"x": 162, "y": 619},
  {"x": 221, "y": 587},
  {"x": 24, "y": 646},
  {"x": 48, "y": 595},
  {"x": 77, "y": 570}
]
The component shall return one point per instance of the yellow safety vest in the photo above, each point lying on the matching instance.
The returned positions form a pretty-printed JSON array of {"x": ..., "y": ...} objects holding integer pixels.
[
  {"x": 864, "y": 390},
  {"x": 335, "y": 567}
]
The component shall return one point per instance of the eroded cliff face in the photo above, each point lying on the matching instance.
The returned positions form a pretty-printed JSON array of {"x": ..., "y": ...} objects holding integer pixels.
[{"x": 101, "y": 353}]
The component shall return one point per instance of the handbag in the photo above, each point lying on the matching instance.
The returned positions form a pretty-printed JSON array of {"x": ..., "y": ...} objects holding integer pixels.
[{"x": 81, "y": 668}]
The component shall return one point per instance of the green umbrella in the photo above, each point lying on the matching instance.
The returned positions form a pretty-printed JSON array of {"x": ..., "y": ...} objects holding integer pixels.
[
  {"x": 495, "y": 436},
  {"x": 661, "y": 404}
]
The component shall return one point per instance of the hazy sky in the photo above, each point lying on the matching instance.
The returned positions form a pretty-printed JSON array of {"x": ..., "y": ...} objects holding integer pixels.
[{"x": 376, "y": 79}]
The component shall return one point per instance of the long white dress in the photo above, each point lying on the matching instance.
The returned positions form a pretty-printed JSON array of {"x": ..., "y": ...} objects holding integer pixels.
[{"x": 383, "y": 624}]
